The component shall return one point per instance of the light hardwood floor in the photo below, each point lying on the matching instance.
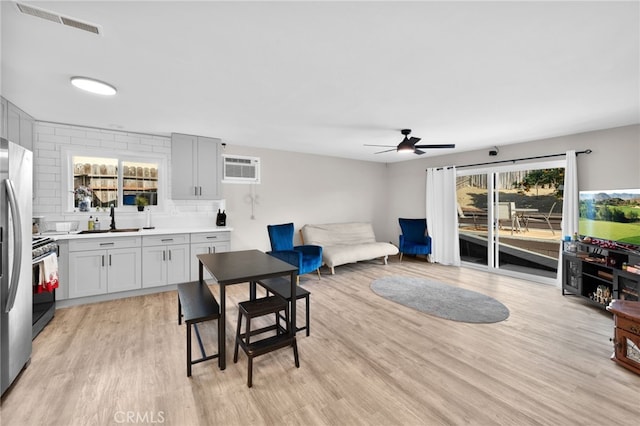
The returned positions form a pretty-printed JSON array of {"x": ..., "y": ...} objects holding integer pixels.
[{"x": 368, "y": 361}]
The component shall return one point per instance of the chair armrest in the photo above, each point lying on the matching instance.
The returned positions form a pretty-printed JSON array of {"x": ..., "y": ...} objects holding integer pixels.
[
  {"x": 292, "y": 257},
  {"x": 309, "y": 250}
]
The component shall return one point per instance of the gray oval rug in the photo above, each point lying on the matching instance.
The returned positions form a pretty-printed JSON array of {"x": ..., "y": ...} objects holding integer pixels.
[{"x": 440, "y": 299}]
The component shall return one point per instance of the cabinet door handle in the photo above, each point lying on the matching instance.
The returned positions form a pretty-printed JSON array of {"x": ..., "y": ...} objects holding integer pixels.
[
  {"x": 106, "y": 244},
  {"x": 209, "y": 249},
  {"x": 109, "y": 260},
  {"x": 215, "y": 237},
  {"x": 169, "y": 255},
  {"x": 167, "y": 240},
  {"x": 103, "y": 260},
  {"x": 195, "y": 191},
  {"x": 164, "y": 255}
]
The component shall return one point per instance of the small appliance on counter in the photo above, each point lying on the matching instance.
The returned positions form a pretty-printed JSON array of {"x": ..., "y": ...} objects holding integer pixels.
[{"x": 221, "y": 218}]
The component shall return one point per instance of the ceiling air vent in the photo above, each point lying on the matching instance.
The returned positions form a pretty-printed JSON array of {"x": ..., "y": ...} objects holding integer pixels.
[
  {"x": 240, "y": 169},
  {"x": 57, "y": 18}
]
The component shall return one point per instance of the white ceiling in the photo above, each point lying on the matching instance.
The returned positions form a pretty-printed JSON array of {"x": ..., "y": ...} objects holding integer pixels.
[{"x": 328, "y": 77}]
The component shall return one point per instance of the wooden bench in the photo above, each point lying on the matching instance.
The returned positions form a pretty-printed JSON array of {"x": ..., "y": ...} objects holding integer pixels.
[
  {"x": 282, "y": 287},
  {"x": 197, "y": 304}
]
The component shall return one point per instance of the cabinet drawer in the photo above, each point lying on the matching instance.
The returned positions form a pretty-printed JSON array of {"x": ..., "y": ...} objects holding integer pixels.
[
  {"x": 210, "y": 237},
  {"x": 103, "y": 243},
  {"x": 628, "y": 325},
  {"x": 163, "y": 240}
]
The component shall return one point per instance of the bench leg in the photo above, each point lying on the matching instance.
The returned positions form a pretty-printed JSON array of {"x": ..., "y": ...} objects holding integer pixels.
[
  {"x": 384, "y": 260},
  {"x": 333, "y": 270},
  {"x": 318, "y": 271}
]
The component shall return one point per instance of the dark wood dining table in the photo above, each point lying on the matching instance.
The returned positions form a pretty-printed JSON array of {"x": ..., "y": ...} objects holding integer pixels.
[{"x": 234, "y": 267}]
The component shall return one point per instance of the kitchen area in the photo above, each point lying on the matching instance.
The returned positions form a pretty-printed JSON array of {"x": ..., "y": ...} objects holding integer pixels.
[{"x": 107, "y": 219}]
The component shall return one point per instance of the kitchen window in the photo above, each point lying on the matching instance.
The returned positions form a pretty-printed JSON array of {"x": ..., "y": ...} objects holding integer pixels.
[{"x": 102, "y": 182}]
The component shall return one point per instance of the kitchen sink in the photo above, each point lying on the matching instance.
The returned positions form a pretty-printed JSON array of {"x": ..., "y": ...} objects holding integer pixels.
[{"x": 102, "y": 231}]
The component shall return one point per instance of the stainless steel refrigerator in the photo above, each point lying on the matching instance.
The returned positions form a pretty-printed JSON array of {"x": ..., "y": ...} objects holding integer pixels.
[{"x": 16, "y": 180}]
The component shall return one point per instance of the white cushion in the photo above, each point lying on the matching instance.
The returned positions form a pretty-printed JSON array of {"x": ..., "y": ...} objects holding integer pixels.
[{"x": 346, "y": 242}]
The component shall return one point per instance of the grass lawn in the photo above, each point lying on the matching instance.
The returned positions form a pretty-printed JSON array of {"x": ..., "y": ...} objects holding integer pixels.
[{"x": 614, "y": 231}]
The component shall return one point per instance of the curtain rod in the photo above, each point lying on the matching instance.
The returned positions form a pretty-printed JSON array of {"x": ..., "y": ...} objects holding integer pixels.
[{"x": 586, "y": 151}]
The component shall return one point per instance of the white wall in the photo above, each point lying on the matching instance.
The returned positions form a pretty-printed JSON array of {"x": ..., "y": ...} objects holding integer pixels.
[{"x": 613, "y": 164}]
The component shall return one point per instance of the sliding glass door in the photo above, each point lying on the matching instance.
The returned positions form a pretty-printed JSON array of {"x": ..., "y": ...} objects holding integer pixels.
[{"x": 509, "y": 218}]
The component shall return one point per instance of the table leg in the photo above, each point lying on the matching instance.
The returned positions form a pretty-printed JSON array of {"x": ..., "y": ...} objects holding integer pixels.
[
  {"x": 200, "y": 273},
  {"x": 252, "y": 290},
  {"x": 222, "y": 322},
  {"x": 293, "y": 302}
]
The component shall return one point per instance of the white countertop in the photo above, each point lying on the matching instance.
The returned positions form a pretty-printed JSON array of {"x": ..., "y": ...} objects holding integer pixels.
[{"x": 142, "y": 232}]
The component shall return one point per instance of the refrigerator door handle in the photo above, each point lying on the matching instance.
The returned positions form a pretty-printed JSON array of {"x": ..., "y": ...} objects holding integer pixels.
[{"x": 17, "y": 245}]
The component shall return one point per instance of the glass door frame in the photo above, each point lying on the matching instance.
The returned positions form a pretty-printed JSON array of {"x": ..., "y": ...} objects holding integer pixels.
[{"x": 493, "y": 237}]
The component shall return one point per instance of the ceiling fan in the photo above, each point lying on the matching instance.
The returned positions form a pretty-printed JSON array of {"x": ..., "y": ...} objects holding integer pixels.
[{"x": 408, "y": 145}]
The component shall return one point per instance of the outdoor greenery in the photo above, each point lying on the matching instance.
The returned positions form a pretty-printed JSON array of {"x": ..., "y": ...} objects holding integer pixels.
[
  {"x": 611, "y": 210},
  {"x": 542, "y": 178}
]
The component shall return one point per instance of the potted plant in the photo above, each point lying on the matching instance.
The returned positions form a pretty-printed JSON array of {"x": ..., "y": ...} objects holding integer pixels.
[{"x": 141, "y": 202}]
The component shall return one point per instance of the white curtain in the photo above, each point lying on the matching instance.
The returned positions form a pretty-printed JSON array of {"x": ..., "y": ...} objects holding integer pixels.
[
  {"x": 442, "y": 216},
  {"x": 570, "y": 204}
]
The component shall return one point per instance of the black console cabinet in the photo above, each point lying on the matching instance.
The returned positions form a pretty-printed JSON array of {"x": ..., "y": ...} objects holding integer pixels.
[{"x": 597, "y": 274}]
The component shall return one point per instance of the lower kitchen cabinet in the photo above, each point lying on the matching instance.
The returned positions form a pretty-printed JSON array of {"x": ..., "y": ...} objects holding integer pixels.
[
  {"x": 165, "y": 259},
  {"x": 204, "y": 243},
  {"x": 100, "y": 266}
]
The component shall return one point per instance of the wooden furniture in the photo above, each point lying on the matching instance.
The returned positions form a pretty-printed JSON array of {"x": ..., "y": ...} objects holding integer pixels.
[
  {"x": 595, "y": 273},
  {"x": 257, "y": 308},
  {"x": 197, "y": 304},
  {"x": 235, "y": 267},
  {"x": 280, "y": 286},
  {"x": 626, "y": 315}
]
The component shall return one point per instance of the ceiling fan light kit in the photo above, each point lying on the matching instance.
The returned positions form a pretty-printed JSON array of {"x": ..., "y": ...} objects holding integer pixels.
[{"x": 408, "y": 145}]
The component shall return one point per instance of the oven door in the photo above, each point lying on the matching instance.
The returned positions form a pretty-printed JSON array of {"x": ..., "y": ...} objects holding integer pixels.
[{"x": 44, "y": 303}]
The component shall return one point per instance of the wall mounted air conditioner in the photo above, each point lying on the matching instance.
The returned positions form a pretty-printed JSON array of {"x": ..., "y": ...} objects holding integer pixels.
[{"x": 240, "y": 169}]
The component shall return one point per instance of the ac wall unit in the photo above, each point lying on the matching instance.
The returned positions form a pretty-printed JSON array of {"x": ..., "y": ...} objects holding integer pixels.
[{"x": 240, "y": 169}]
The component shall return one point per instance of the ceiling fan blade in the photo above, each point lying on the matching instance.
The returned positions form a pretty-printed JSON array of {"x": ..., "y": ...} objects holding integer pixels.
[
  {"x": 442, "y": 145},
  {"x": 413, "y": 140},
  {"x": 386, "y": 150},
  {"x": 385, "y": 146},
  {"x": 417, "y": 151}
]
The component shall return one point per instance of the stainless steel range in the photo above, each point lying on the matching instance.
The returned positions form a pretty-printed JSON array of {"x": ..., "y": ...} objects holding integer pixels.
[{"x": 44, "y": 304}]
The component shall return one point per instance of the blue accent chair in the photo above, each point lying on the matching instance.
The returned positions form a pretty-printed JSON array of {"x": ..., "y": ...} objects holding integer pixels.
[
  {"x": 415, "y": 238},
  {"x": 307, "y": 258}
]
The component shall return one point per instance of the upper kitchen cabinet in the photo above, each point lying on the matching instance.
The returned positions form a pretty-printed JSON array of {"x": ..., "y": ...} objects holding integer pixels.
[
  {"x": 3, "y": 117},
  {"x": 17, "y": 125},
  {"x": 196, "y": 167}
]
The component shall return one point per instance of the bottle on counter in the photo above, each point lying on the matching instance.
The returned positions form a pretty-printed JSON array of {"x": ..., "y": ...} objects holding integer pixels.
[
  {"x": 96, "y": 224},
  {"x": 90, "y": 223}
]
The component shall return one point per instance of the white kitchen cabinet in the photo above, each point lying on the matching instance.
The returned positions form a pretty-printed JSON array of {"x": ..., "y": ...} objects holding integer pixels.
[
  {"x": 4, "y": 111},
  {"x": 19, "y": 126},
  {"x": 196, "y": 167},
  {"x": 165, "y": 259},
  {"x": 211, "y": 242},
  {"x": 100, "y": 266}
]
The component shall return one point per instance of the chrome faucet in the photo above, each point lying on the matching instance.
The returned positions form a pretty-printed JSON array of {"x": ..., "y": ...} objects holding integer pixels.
[{"x": 112, "y": 213}]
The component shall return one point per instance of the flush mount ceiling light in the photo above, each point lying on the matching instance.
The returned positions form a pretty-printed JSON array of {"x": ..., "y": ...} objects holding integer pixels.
[{"x": 94, "y": 86}]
